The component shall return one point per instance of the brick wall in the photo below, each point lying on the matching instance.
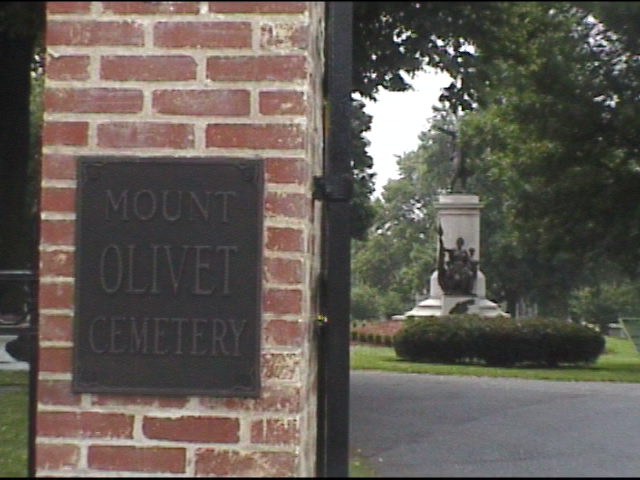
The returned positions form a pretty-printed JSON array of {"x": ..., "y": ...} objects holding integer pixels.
[{"x": 191, "y": 79}]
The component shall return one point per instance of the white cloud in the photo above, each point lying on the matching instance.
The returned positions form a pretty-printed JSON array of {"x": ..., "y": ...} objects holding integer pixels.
[{"x": 398, "y": 119}]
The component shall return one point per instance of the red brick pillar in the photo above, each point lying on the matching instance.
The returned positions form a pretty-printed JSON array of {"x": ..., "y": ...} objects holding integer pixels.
[{"x": 185, "y": 79}]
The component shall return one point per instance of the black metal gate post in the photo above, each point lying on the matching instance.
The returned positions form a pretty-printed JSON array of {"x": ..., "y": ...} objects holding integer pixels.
[{"x": 334, "y": 188}]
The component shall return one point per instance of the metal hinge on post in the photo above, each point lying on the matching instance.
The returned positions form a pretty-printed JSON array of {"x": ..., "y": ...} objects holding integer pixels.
[{"x": 333, "y": 188}]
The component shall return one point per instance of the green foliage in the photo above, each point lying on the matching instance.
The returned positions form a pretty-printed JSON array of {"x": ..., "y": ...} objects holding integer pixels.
[
  {"x": 399, "y": 254},
  {"x": 497, "y": 341},
  {"x": 605, "y": 303},
  {"x": 550, "y": 131},
  {"x": 619, "y": 363},
  {"x": 370, "y": 333},
  {"x": 362, "y": 211},
  {"x": 395, "y": 37},
  {"x": 546, "y": 98},
  {"x": 363, "y": 302}
]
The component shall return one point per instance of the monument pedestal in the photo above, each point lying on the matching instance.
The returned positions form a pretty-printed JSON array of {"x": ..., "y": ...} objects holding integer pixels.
[
  {"x": 455, "y": 304},
  {"x": 459, "y": 217}
]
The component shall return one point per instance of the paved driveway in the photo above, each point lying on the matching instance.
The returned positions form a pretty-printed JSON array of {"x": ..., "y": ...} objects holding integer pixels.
[{"x": 433, "y": 426}]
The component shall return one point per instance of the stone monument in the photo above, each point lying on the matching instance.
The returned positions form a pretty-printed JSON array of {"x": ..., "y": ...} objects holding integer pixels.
[{"x": 458, "y": 284}]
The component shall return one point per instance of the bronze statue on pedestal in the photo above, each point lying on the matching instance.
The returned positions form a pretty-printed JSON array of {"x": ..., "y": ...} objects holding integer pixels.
[{"x": 457, "y": 276}]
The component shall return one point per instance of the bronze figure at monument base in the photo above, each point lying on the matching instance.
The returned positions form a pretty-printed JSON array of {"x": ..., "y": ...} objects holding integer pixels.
[{"x": 457, "y": 276}]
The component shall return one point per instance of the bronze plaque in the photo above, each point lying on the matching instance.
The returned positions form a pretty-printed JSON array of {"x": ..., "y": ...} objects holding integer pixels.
[{"x": 168, "y": 276}]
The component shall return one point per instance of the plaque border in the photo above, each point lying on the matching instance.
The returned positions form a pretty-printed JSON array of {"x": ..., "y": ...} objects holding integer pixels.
[{"x": 82, "y": 161}]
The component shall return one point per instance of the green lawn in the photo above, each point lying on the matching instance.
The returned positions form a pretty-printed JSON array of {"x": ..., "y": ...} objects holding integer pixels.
[
  {"x": 619, "y": 363},
  {"x": 13, "y": 427}
]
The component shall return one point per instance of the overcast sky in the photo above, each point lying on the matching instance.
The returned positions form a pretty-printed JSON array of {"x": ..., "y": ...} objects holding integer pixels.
[{"x": 398, "y": 119}]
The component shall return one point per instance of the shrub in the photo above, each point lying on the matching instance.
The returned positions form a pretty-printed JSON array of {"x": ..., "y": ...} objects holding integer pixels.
[
  {"x": 391, "y": 303},
  {"x": 364, "y": 302},
  {"x": 497, "y": 341},
  {"x": 604, "y": 303}
]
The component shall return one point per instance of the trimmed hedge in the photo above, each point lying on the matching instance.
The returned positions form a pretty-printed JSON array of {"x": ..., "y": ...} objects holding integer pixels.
[
  {"x": 372, "y": 338},
  {"x": 497, "y": 341}
]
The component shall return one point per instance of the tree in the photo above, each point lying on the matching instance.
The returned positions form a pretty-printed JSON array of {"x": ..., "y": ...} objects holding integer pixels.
[
  {"x": 392, "y": 39},
  {"x": 362, "y": 210},
  {"x": 398, "y": 256},
  {"x": 400, "y": 253},
  {"x": 557, "y": 130},
  {"x": 549, "y": 93},
  {"x": 605, "y": 303}
]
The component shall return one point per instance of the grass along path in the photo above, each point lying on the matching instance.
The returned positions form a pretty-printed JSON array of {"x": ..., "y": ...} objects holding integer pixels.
[
  {"x": 14, "y": 400},
  {"x": 619, "y": 363}
]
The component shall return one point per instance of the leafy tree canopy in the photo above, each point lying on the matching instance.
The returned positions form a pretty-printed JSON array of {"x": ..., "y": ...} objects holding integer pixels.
[{"x": 547, "y": 96}]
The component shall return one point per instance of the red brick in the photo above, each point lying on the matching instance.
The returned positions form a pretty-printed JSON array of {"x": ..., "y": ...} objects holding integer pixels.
[
  {"x": 148, "y": 68},
  {"x": 139, "y": 459},
  {"x": 68, "y": 7},
  {"x": 241, "y": 464},
  {"x": 56, "y": 295},
  {"x": 58, "y": 199},
  {"x": 282, "y": 270},
  {"x": 283, "y": 301},
  {"x": 125, "y": 8},
  {"x": 67, "y": 67},
  {"x": 192, "y": 429},
  {"x": 55, "y": 328},
  {"x": 275, "y": 431},
  {"x": 145, "y": 135},
  {"x": 57, "y": 232},
  {"x": 294, "y": 205},
  {"x": 286, "y": 170},
  {"x": 284, "y": 36},
  {"x": 202, "y": 34},
  {"x": 257, "y": 7},
  {"x": 55, "y": 457},
  {"x": 58, "y": 166},
  {"x": 90, "y": 33},
  {"x": 137, "y": 400},
  {"x": 269, "y": 136},
  {"x": 56, "y": 263},
  {"x": 263, "y": 68},
  {"x": 273, "y": 398},
  {"x": 202, "y": 102},
  {"x": 280, "y": 366},
  {"x": 56, "y": 360},
  {"x": 57, "y": 392},
  {"x": 92, "y": 100},
  {"x": 283, "y": 333},
  {"x": 282, "y": 102},
  {"x": 284, "y": 239},
  {"x": 85, "y": 424},
  {"x": 65, "y": 133}
]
